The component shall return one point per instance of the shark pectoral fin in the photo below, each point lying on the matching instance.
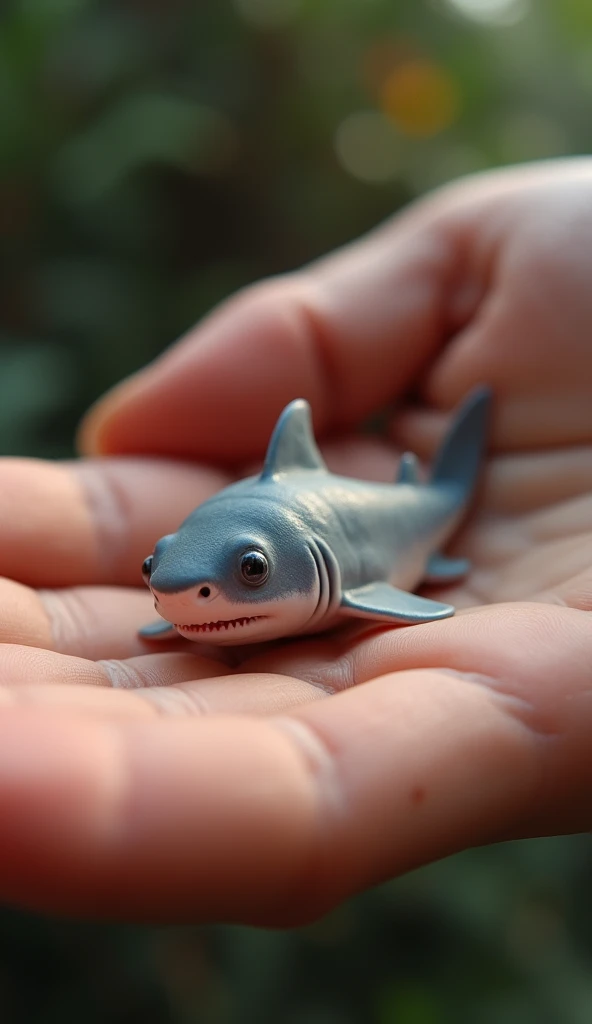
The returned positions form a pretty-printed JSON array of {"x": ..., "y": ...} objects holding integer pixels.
[
  {"x": 446, "y": 570},
  {"x": 160, "y": 630},
  {"x": 384, "y": 603}
]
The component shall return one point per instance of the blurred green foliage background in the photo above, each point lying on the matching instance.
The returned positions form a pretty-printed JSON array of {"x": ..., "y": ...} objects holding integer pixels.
[{"x": 155, "y": 155}]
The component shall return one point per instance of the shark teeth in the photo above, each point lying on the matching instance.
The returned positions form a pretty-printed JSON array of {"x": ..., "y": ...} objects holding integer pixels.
[{"x": 211, "y": 627}]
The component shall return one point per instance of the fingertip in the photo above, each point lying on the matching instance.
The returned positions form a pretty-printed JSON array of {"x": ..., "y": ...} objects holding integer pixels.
[
  {"x": 348, "y": 335},
  {"x": 216, "y": 394},
  {"x": 94, "y": 435}
]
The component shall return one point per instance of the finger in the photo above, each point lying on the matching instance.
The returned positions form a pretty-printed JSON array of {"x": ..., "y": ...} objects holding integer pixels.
[
  {"x": 77, "y": 794},
  {"x": 136, "y": 695},
  {"x": 22, "y": 667},
  {"x": 93, "y": 521},
  {"x": 86, "y": 700},
  {"x": 348, "y": 334},
  {"x": 87, "y": 622},
  {"x": 479, "y": 758},
  {"x": 530, "y": 339},
  {"x": 244, "y": 693},
  {"x": 182, "y": 683},
  {"x": 353, "y": 331},
  {"x": 518, "y": 642},
  {"x": 90, "y": 622},
  {"x": 275, "y": 821}
]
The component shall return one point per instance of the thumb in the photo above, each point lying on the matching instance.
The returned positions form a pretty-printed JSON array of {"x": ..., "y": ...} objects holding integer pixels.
[
  {"x": 357, "y": 329},
  {"x": 347, "y": 333}
]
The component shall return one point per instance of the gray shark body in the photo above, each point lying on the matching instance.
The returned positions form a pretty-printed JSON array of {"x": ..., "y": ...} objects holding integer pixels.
[{"x": 297, "y": 549}]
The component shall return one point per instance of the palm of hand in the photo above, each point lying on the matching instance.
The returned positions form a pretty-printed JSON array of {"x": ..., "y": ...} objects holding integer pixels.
[{"x": 452, "y": 717}]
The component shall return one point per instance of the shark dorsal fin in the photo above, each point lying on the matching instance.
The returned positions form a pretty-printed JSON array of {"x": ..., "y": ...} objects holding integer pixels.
[
  {"x": 408, "y": 469},
  {"x": 292, "y": 445}
]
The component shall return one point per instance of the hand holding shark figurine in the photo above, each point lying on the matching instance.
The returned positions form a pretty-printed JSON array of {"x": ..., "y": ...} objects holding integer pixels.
[{"x": 297, "y": 549}]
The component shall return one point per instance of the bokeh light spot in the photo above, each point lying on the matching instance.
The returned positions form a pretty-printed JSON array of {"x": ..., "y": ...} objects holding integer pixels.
[
  {"x": 368, "y": 147},
  {"x": 492, "y": 12},
  {"x": 422, "y": 98}
]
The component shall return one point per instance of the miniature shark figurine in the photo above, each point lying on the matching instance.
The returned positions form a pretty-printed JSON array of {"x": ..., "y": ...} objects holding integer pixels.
[{"x": 297, "y": 550}]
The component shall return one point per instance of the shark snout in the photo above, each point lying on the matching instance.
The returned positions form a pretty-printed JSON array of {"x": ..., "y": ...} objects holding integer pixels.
[{"x": 191, "y": 605}]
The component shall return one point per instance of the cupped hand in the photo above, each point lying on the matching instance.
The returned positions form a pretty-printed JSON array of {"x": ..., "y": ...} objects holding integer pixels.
[{"x": 266, "y": 784}]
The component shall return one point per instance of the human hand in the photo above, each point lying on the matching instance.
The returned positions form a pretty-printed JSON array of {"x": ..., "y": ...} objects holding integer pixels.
[{"x": 180, "y": 784}]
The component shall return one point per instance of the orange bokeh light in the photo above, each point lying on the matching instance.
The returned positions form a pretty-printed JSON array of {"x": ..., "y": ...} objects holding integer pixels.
[{"x": 420, "y": 97}]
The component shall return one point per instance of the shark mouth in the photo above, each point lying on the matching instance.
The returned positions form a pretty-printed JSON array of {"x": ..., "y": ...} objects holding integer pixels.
[{"x": 217, "y": 627}]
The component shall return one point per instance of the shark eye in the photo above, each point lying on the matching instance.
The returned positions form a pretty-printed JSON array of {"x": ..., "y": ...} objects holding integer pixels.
[
  {"x": 147, "y": 568},
  {"x": 254, "y": 568}
]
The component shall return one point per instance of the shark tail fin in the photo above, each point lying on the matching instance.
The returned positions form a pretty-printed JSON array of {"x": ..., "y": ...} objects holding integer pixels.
[{"x": 459, "y": 459}]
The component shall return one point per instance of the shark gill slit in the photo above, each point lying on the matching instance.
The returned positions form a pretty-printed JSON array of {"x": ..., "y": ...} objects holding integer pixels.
[{"x": 329, "y": 580}]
